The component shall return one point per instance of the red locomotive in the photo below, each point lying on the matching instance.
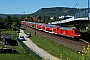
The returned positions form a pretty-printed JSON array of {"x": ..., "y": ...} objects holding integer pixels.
[{"x": 69, "y": 32}]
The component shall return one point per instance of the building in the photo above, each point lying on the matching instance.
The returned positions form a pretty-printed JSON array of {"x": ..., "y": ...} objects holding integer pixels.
[{"x": 7, "y": 39}]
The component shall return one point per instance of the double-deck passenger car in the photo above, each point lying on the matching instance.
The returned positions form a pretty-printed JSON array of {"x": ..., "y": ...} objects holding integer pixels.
[{"x": 54, "y": 29}]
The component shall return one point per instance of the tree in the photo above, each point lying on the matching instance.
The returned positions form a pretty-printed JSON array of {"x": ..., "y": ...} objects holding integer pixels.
[
  {"x": 14, "y": 26},
  {"x": 15, "y": 23},
  {"x": 9, "y": 18}
]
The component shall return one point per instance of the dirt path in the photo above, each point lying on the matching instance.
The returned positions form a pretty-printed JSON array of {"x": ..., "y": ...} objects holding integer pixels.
[{"x": 36, "y": 49}]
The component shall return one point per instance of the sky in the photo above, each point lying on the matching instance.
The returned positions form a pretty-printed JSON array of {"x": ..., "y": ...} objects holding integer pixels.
[{"x": 31, "y": 6}]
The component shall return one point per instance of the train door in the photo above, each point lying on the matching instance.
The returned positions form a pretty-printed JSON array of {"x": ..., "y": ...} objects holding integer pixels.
[
  {"x": 43, "y": 27},
  {"x": 72, "y": 33},
  {"x": 63, "y": 32},
  {"x": 67, "y": 32},
  {"x": 55, "y": 30}
]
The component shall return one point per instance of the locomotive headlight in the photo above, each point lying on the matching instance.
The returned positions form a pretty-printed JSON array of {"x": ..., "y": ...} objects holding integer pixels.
[{"x": 79, "y": 35}]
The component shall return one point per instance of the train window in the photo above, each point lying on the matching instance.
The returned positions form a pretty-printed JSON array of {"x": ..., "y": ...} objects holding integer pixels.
[
  {"x": 66, "y": 32},
  {"x": 77, "y": 31},
  {"x": 54, "y": 29},
  {"x": 72, "y": 31},
  {"x": 57, "y": 28}
]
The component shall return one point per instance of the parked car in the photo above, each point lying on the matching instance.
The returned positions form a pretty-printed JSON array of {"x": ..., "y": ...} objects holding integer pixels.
[
  {"x": 22, "y": 38},
  {"x": 28, "y": 35}
]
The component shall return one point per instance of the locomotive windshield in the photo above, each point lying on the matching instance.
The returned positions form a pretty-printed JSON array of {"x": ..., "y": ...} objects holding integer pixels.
[{"x": 77, "y": 31}]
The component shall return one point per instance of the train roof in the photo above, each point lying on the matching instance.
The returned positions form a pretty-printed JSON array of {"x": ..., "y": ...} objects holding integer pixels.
[
  {"x": 58, "y": 26},
  {"x": 39, "y": 23},
  {"x": 29, "y": 22},
  {"x": 23, "y": 21},
  {"x": 33, "y": 22},
  {"x": 48, "y": 25},
  {"x": 66, "y": 28}
]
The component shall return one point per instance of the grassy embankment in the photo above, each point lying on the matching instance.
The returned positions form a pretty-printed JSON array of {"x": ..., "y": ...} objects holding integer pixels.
[
  {"x": 57, "y": 50},
  {"x": 19, "y": 48}
]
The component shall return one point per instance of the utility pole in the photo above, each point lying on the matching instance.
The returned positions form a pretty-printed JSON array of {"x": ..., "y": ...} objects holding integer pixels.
[
  {"x": 88, "y": 9},
  {"x": 75, "y": 10},
  {"x": 35, "y": 25},
  {"x": 23, "y": 12}
]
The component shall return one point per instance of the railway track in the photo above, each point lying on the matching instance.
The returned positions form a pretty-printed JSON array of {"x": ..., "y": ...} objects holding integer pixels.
[{"x": 75, "y": 45}]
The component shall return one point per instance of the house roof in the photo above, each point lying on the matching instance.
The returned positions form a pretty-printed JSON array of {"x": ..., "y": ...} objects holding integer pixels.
[{"x": 7, "y": 36}]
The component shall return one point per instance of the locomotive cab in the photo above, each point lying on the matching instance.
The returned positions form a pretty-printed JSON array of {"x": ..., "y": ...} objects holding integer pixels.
[{"x": 77, "y": 33}]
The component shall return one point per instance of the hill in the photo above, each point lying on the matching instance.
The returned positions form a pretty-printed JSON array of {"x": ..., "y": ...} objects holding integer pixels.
[
  {"x": 17, "y": 15},
  {"x": 57, "y": 11},
  {"x": 54, "y": 11}
]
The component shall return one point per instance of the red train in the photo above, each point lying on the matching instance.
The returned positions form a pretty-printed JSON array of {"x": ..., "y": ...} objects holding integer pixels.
[{"x": 63, "y": 31}]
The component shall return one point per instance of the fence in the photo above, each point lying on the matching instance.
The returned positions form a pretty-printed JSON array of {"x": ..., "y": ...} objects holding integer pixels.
[
  {"x": 29, "y": 51},
  {"x": 82, "y": 14}
]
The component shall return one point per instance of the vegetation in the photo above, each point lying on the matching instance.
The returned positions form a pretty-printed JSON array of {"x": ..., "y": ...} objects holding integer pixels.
[
  {"x": 57, "y": 50},
  {"x": 21, "y": 55},
  {"x": 57, "y": 11},
  {"x": 11, "y": 23},
  {"x": 19, "y": 48},
  {"x": 17, "y": 57},
  {"x": 43, "y": 14}
]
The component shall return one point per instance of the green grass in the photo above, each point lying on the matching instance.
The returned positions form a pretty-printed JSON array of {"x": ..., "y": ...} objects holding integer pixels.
[
  {"x": 54, "y": 48},
  {"x": 19, "y": 48},
  {"x": 9, "y": 32},
  {"x": 17, "y": 57}
]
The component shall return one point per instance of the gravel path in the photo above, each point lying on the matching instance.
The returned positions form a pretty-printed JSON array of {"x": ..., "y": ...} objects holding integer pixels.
[{"x": 36, "y": 49}]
